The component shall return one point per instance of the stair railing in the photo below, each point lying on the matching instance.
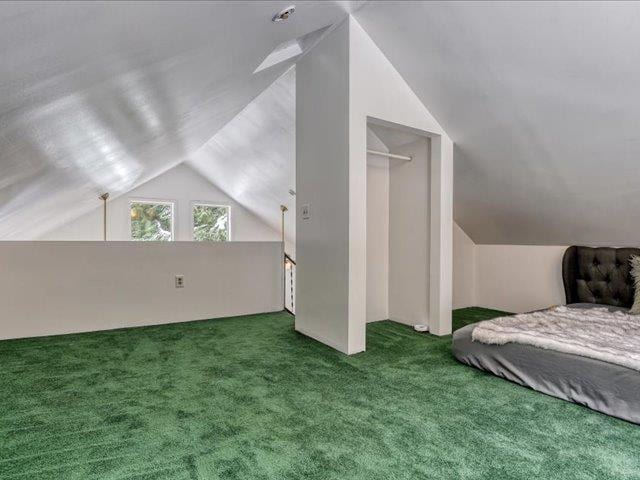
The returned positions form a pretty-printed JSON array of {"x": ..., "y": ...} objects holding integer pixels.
[{"x": 289, "y": 284}]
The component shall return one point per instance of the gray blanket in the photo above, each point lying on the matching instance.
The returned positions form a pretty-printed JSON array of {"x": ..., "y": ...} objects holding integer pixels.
[{"x": 602, "y": 386}]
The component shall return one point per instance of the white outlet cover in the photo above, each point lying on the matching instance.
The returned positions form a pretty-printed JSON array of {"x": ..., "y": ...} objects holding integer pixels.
[{"x": 306, "y": 211}]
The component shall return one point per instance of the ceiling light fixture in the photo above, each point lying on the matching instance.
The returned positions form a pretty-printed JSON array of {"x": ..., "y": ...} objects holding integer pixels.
[{"x": 284, "y": 14}]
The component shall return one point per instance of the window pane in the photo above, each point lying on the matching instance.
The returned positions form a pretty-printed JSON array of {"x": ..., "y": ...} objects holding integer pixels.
[
  {"x": 151, "y": 221},
  {"x": 210, "y": 223}
]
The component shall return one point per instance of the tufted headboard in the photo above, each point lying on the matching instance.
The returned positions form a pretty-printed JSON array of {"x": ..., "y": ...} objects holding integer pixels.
[{"x": 598, "y": 275}]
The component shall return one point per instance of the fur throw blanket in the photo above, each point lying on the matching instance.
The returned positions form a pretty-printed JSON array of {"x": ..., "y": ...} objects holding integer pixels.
[{"x": 597, "y": 333}]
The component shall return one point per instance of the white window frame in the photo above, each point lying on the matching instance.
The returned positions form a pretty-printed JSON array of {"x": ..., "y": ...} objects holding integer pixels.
[
  {"x": 153, "y": 201},
  {"x": 209, "y": 204}
]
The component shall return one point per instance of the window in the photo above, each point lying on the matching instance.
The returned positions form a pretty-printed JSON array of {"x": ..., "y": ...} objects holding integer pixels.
[
  {"x": 210, "y": 223},
  {"x": 151, "y": 221}
]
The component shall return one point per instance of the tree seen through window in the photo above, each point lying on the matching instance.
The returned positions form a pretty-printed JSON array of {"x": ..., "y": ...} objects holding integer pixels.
[
  {"x": 210, "y": 223},
  {"x": 151, "y": 221}
]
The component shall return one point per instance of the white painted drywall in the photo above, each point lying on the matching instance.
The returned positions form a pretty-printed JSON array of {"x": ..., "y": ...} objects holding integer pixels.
[
  {"x": 409, "y": 235},
  {"x": 377, "y": 239},
  {"x": 182, "y": 185},
  {"x": 54, "y": 288},
  {"x": 519, "y": 278},
  {"x": 378, "y": 91},
  {"x": 322, "y": 182},
  {"x": 464, "y": 269},
  {"x": 513, "y": 278},
  {"x": 335, "y": 96}
]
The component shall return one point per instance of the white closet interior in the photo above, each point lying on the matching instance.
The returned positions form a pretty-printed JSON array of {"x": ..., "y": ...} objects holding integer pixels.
[{"x": 397, "y": 225}]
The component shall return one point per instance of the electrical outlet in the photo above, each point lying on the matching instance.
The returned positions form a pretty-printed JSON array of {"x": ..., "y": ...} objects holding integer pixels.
[
  {"x": 179, "y": 281},
  {"x": 306, "y": 211}
]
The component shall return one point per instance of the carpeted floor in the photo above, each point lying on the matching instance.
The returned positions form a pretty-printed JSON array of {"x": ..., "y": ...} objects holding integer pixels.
[{"x": 248, "y": 398}]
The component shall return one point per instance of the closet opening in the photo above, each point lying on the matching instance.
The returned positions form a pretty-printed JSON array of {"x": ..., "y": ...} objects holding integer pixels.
[{"x": 398, "y": 223}]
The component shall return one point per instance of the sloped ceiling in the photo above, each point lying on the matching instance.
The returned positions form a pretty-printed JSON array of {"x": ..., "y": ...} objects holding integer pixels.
[
  {"x": 540, "y": 99},
  {"x": 542, "y": 102},
  {"x": 252, "y": 158},
  {"x": 103, "y": 96}
]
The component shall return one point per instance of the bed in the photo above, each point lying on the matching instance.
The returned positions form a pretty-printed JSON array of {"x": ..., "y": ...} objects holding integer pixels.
[{"x": 592, "y": 277}]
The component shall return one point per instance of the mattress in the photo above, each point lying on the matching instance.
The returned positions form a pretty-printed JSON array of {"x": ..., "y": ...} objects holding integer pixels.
[{"x": 601, "y": 386}]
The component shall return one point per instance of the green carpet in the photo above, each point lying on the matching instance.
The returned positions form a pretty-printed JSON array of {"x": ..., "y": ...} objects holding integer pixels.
[{"x": 248, "y": 398}]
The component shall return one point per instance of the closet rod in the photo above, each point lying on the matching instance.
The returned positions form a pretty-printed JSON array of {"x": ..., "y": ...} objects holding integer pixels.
[{"x": 390, "y": 155}]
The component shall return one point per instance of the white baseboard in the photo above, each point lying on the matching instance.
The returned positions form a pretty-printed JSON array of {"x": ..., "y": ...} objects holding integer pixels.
[{"x": 402, "y": 321}]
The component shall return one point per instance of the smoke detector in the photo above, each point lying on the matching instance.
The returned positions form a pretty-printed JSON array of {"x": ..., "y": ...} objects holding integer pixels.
[{"x": 284, "y": 14}]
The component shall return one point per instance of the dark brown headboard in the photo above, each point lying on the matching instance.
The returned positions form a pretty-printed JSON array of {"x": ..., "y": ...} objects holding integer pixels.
[{"x": 598, "y": 275}]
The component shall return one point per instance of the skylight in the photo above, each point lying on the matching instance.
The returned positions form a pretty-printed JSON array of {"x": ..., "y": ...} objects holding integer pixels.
[
  {"x": 292, "y": 48},
  {"x": 282, "y": 52}
]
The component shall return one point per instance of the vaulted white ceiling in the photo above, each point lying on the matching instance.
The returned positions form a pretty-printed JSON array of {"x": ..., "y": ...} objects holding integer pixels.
[
  {"x": 539, "y": 98},
  {"x": 102, "y": 96},
  {"x": 542, "y": 102},
  {"x": 252, "y": 158}
]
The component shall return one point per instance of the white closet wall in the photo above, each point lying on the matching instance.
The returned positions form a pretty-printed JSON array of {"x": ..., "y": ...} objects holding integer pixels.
[
  {"x": 377, "y": 238},
  {"x": 409, "y": 235},
  {"x": 398, "y": 235}
]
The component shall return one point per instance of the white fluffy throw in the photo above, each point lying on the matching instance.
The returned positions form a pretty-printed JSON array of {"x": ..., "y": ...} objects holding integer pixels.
[{"x": 597, "y": 333}]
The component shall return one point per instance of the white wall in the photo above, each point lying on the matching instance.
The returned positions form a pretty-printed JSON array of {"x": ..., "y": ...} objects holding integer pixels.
[
  {"x": 322, "y": 176},
  {"x": 519, "y": 278},
  {"x": 377, "y": 239},
  {"x": 464, "y": 269},
  {"x": 181, "y": 185},
  {"x": 376, "y": 90},
  {"x": 335, "y": 96},
  {"x": 513, "y": 278},
  {"x": 409, "y": 235},
  {"x": 54, "y": 288}
]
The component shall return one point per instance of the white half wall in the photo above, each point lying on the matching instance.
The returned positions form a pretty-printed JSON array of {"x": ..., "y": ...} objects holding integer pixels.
[
  {"x": 181, "y": 185},
  {"x": 513, "y": 278},
  {"x": 55, "y": 288},
  {"x": 464, "y": 269},
  {"x": 519, "y": 278}
]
